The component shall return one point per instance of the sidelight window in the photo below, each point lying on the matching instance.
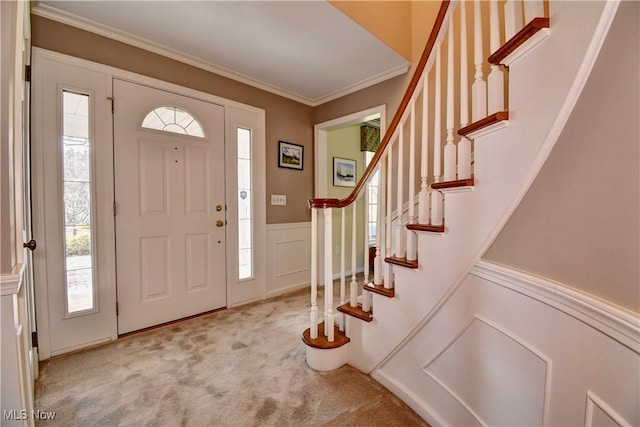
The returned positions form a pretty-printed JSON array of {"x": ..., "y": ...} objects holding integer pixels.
[
  {"x": 245, "y": 205},
  {"x": 77, "y": 194}
]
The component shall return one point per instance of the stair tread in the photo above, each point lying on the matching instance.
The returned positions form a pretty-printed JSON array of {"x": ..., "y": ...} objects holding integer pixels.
[
  {"x": 426, "y": 227},
  {"x": 453, "y": 184},
  {"x": 402, "y": 262},
  {"x": 484, "y": 123},
  {"x": 321, "y": 342},
  {"x": 380, "y": 290},
  {"x": 357, "y": 311},
  {"x": 518, "y": 39}
]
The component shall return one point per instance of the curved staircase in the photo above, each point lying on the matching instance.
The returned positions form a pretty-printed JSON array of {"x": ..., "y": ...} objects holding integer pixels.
[{"x": 451, "y": 201}]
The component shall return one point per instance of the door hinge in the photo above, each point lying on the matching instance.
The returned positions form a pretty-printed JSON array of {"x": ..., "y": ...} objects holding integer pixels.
[
  {"x": 117, "y": 309},
  {"x": 115, "y": 208},
  {"x": 111, "y": 98},
  {"x": 34, "y": 339},
  {"x": 27, "y": 73}
]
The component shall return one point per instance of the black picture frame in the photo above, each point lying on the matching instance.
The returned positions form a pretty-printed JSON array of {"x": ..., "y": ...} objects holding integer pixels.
[{"x": 290, "y": 155}]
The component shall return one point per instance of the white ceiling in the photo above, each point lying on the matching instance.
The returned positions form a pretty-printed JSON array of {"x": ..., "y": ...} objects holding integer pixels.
[{"x": 305, "y": 50}]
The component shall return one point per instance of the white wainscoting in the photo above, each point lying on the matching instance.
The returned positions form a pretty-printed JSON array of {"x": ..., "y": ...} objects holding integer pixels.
[
  {"x": 288, "y": 257},
  {"x": 510, "y": 348}
]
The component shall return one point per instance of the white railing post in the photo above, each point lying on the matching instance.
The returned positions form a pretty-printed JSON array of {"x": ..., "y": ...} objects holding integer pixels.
[
  {"x": 377, "y": 264},
  {"x": 479, "y": 107},
  {"x": 512, "y": 18},
  {"x": 423, "y": 198},
  {"x": 388, "y": 271},
  {"x": 341, "y": 319},
  {"x": 400, "y": 236},
  {"x": 313, "y": 317},
  {"x": 464, "y": 146},
  {"x": 533, "y": 9},
  {"x": 495, "y": 80},
  {"x": 412, "y": 238},
  {"x": 353, "y": 286},
  {"x": 329, "y": 317},
  {"x": 450, "y": 148},
  {"x": 436, "y": 197}
]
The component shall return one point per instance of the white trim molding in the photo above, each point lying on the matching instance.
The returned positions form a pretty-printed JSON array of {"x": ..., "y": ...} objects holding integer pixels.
[
  {"x": 616, "y": 322},
  {"x": 10, "y": 283}
]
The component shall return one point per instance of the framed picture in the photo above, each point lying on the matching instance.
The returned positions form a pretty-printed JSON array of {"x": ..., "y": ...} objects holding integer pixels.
[
  {"x": 344, "y": 172},
  {"x": 290, "y": 155}
]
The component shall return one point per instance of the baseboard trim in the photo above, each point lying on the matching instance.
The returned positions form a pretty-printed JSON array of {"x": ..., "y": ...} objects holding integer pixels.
[
  {"x": 418, "y": 405},
  {"x": 287, "y": 289},
  {"x": 611, "y": 320}
]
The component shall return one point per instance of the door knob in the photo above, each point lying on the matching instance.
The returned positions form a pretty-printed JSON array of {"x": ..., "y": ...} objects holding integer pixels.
[
  {"x": 31, "y": 245},
  {"x": 219, "y": 223}
]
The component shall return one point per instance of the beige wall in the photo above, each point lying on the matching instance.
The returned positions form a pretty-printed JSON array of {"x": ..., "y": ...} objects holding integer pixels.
[
  {"x": 579, "y": 223},
  {"x": 389, "y": 21},
  {"x": 285, "y": 119},
  {"x": 345, "y": 143}
]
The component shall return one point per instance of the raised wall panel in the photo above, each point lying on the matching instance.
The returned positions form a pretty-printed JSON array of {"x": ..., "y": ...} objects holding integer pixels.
[
  {"x": 288, "y": 257},
  {"x": 197, "y": 261},
  {"x": 153, "y": 178},
  {"x": 484, "y": 368},
  {"x": 600, "y": 414},
  {"x": 291, "y": 257},
  {"x": 154, "y": 267},
  {"x": 196, "y": 185}
]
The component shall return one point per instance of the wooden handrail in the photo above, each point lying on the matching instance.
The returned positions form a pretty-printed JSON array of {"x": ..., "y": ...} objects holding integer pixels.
[{"x": 337, "y": 203}]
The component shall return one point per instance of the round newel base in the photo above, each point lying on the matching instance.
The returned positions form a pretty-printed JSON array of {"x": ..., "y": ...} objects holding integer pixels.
[{"x": 323, "y": 355}]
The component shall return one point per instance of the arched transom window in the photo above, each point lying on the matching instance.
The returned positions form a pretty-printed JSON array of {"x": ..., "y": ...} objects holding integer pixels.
[{"x": 173, "y": 119}]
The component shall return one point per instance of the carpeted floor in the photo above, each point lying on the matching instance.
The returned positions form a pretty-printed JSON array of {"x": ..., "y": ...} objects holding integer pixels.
[{"x": 238, "y": 367}]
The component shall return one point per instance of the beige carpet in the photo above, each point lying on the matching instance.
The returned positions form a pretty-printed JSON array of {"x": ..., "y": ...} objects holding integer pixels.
[{"x": 238, "y": 367}]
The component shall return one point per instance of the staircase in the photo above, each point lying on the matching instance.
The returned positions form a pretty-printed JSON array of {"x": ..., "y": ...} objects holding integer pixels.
[{"x": 453, "y": 165}]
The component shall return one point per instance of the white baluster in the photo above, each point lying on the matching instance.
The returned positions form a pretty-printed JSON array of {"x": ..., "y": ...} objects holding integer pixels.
[
  {"x": 329, "y": 317},
  {"x": 377, "y": 265},
  {"x": 388, "y": 271},
  {"x": 341, "y": 319},
  {"x": 512, "y": 18},
  {"x": 495, "y": 81},
  {"x": 412, "y": 239},
  {"x": 400, "y": 235},
  {"x": 423, "y": 198},
  {"x": 366, "y": 296},
  {"x": 479, "y": 90},
  {"x": 313, "y": 317},
  {"x": 450, "y": 148},
  {"x": 464, "y": 146},
  {"x": 533, "y": 9},
  {"x": 436, "y": 199},
  {"x": 353, "y": 286}
]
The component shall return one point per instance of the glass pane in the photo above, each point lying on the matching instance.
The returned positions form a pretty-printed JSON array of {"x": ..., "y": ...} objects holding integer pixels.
[
  {"x": 244, "y": 174},
  {"x": 76, "y": 149},
  {"x": 245, "y": 204},
  {"x": 174, "y": 120}
]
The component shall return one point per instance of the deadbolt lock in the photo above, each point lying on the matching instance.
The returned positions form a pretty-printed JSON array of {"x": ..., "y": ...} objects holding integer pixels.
[{"x": 218, "y": 208}]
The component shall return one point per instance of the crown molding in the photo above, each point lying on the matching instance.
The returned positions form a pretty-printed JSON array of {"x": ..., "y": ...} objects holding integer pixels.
[{"x": 92, "y": 26}]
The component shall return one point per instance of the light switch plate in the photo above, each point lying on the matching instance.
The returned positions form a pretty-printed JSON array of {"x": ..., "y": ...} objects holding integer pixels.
[{"x": 278, "y": 200}]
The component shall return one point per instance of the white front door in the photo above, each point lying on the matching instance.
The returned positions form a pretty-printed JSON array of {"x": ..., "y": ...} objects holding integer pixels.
[
  {"x": 72, "y": 177},
  {"x": 170, "y": 205}
]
